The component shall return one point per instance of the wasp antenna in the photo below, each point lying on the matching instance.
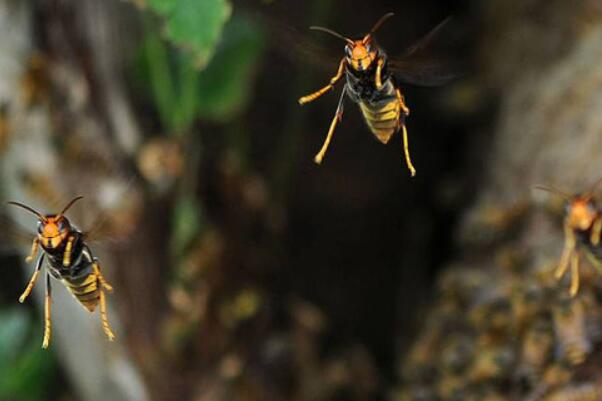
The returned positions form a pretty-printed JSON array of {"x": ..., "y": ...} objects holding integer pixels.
[
  {"x": 593, "y": 188},
  {"x": 330, "y": 31},
  {"x": 553, "y": 190},
  {"x": 29, "y": 209},
  {"x": 380, "y": 22},
  {"x": 425, "y": 41},
  {"x": 70, "y": 204}
]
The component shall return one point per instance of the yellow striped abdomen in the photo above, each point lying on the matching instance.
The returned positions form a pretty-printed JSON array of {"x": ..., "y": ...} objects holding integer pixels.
[
  {"x": 85, "y": 290},
  {"x": 382, "y": 119}
]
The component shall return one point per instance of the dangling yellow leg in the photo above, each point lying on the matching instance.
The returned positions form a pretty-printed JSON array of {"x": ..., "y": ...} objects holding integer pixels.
[
  {"x": 47, "y": 321},
  {"x": 402, "y": 103},
  {"x": 407, "y": 151},
  {"x": 34, "y": 250},
  {"x": 313, "y": 96},
  {"x": 322, "y": 152},
  {"x": 101, "y": 278},
  {"x": 378, "y": 81},
  {"x": 32, "y": 280},
  {"x": 337, "y": 117},
  {"x": 402, "y": 126},
  {"x": 569, "y": 248},
  {"x": 103, "y": 316},
  {"x": 574, "y": 274},
  {"x": 68, "y": 249}
]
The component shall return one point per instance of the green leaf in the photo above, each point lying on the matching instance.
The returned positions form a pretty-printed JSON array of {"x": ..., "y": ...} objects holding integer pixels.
[
  {"x": 163, "y": 7},
  {"x": 225, "y": 85},
  {"x": 181, "y": 93},
  {"x": 157, "y": 73},
  {"x": 195, "y": 25}
]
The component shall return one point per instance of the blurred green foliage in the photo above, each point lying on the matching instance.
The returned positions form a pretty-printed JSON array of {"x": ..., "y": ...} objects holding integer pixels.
[
  {"x": 182, "y": 93},
  {"x": 26, "y": 370},
  {"x": 194, "y": 25},
  {"x": 225, "y": 86}
]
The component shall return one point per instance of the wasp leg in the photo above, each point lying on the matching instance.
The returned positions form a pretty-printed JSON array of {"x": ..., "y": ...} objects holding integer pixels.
[
  {"x": 379, "y": 73},
  {"x": 67, "y": 254},
  {"x": 402, "y": 126},
  {"x": 313, "y": 96},
  {"x": 402, "y": 103},
  {"x": 337, "y": 117},
  {"x": 103, "y": 316},
  {"x": 569, "y": 248},
  {"x": 32, "y": 280},
  {"x": 574, "y": 274},
  {"x": 101, "y": 278},
  {"x": 34, "y": 250},
  {"x": 47, "y": 322}
]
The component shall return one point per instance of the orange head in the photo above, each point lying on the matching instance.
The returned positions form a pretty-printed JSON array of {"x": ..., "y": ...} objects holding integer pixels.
[
  {"x": 580, "y": 213},
  {"x": 581, "y": 210},
  {"x": 360, "y": 54},
  {"x": 53, "y": 229}
]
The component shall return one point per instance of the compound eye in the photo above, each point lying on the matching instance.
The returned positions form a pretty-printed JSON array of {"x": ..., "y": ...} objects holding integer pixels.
[
  {"x": 40, "y": 227},
  {"x": 61, "y": 225},
  {"x": 347, "y": 51}
]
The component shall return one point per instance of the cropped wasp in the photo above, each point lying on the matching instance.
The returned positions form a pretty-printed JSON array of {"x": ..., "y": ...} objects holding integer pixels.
[
  {"x": 70, "y": 261},
  {"x": 371, "y": 84},
  {"x": 582, "y": 228}
]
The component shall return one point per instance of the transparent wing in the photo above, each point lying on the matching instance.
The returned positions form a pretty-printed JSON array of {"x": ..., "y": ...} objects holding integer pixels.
[
  {"x": 299, "y": 47},
  {"x": 418, "y": 66},
  {"x": 15, "y": 238}
]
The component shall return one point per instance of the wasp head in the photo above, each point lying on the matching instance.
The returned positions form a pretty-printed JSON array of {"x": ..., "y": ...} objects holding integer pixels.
[
  {"x": 360, "y": 54},
  {"x": 580, "y": 213},
  {"x": 53, "y": 229}
]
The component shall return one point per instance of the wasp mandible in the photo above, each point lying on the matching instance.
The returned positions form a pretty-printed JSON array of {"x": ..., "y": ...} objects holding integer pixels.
[
  {"x": 583, "y": 229},
  {"x": 371, "y": 84},
  {"x": 70, "y": 261}
]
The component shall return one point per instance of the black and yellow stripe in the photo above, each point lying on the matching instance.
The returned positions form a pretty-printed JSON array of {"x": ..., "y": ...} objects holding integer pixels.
[
  {"x": 387, "y": 117},
  {"x": 85, "y": 289},
  {"x": 383, "y": 120}
]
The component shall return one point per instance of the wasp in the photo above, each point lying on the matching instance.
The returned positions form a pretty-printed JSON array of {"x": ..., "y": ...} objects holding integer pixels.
[
  {"x": 371, "y": 84},
  {"x": 70, "y": 261},
  {"x": 583, "y": 229}
]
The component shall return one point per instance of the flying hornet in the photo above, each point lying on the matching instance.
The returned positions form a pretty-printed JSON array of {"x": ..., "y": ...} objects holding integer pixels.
[
  {"x": 70, "y": 261},
  {"x": 583, "y": 230},
  {"x": 371, "y": 82}
]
